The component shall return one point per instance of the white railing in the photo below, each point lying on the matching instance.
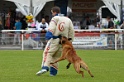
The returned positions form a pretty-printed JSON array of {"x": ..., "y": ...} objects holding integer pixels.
[
  {"x": 101, "y": 31},
  {"x": 105, "y": 31},
  {"x": 22, "y": 32}
]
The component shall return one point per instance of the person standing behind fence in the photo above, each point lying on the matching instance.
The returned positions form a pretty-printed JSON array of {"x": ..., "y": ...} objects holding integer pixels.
[
  {"x": 17, "y": 26},
  {"x": 24, "y": 24},
  {"x": 111, "y": 37},
  {"x": 122, "y": 27},
  {"x": 1, "y": 28},
  {"x": 110, "y": 23},
  {"x": 43, "y": 27},
  {"x": 2, "y": 34},
  {"x": 86, "y": 22}
]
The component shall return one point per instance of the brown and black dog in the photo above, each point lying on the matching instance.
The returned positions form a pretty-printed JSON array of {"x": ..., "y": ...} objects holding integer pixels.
[{"x": 69, "y": 53}]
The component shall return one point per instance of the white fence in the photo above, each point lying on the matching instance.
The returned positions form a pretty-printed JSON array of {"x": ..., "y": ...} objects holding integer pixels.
[{"x": 84, "y": 39}]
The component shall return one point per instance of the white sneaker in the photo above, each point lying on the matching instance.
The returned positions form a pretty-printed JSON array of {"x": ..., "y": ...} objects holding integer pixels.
[
  {"x": 52, "y": 75},
  {"x": 41, "y": 72}
]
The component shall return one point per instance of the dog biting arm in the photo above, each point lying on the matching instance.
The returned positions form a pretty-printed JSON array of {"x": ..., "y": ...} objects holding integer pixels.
[{"x": 69, "y": 39}]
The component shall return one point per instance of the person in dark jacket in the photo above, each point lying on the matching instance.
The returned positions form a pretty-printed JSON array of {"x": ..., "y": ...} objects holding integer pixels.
[{"x": 1, "y": 28}]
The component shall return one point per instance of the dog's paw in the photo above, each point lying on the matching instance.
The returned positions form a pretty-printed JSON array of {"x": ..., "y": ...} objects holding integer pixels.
[
  {"x": 92, "y": 76},
  {"x": 67, "y": 67}
]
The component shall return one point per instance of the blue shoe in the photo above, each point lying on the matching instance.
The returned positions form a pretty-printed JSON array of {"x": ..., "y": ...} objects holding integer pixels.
[
  {"x": 41, "y": 72},
  {"x": 53, "y": 71}
]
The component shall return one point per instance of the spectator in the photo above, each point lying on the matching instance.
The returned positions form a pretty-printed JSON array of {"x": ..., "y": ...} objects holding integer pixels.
[
  {"x": 24, "y": 24},
  {"x": 17, "y": 26},
  {"x": 122, "y": 25},
  {"x": 110, "y": 36},
  {"x": 86, "y": 22},
  {"x": 76, "y": 25},
  {"x": 91, "y": 26},
  {"x": 2, "y": 34},
  {"x": 1, "y": 28},
  {"x": 43, "y": 25},
  {"x": 110, "y": 23},
  {"x": 47, "y": 19},
  {"x": 0, "y": 18}
]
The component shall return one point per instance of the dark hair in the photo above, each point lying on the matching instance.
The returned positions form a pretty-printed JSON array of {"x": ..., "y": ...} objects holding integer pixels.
[
  {"x": 108, "y": 17},
  {"x": 56, "y": 9},
  {"x": 17, "y": 18}
]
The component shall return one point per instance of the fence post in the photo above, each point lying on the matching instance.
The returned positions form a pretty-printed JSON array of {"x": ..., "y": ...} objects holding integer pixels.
[
  {"x": 22, "y": 40},
  {"x": 115, "y": 41}
]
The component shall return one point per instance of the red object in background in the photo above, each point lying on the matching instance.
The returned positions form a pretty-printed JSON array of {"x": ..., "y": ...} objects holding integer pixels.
[
  {"x": 80, "y": 34},
  {"x": 7, "y": 23}
]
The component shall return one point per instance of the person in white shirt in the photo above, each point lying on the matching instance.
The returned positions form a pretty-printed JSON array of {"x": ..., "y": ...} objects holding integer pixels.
[
  {"x": 91, "y": 27},
  {"x": 43, "y": 25}
]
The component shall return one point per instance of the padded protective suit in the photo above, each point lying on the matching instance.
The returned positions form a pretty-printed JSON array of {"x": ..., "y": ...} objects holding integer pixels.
[{"x": 59, "y": 25}]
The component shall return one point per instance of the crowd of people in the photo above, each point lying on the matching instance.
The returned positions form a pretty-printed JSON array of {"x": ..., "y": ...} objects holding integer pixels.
[
  {"x": 42, "y": 26},
  {"x": 20, "y": 24},
  {"x": 87, "y": 23}
]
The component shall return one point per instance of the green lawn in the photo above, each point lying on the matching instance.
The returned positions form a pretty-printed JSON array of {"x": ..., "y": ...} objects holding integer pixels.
[{"x": 21, "y": 66}]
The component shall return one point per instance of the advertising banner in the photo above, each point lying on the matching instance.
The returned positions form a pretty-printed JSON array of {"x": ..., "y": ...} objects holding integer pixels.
[
  {"x": 84, "y": 5},
  {"x": 89, "y": 41}
]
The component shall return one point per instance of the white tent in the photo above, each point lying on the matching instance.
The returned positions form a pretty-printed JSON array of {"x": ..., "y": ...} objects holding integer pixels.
[
  {"x": 114, "y": 6},
  {"x": 27, "y": 2},
  {"x": 118, "y": 2},
  {"x": 35, "y": 6},
  {"x": 30, "y": 6}
]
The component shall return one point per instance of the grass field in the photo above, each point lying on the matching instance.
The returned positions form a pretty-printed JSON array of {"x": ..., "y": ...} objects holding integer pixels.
[{"x": 21, "y": 66}]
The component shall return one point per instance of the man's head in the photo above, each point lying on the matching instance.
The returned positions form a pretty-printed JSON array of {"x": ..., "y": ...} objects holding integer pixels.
[
  {"x": 43, "y": 20},
  {"x": 55, "y": 10},
  {"x": 108, "y": 18},
  {"x": 17, "y": 19}
]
